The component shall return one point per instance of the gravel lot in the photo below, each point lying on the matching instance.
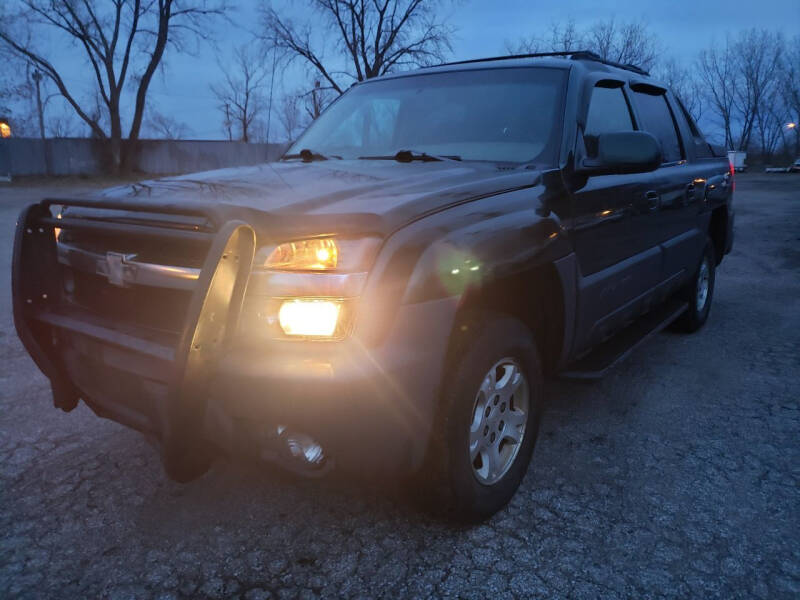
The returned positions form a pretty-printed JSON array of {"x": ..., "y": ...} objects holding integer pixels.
[{"x": 676, "y": 476}]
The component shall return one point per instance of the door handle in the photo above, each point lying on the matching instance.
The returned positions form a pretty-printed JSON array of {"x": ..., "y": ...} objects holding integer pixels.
[
  {"x": 690, "y": 193},
  {"x": 653, "y": 200}
]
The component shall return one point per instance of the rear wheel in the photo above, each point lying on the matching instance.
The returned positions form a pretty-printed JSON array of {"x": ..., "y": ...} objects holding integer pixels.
[
  {"x": 489, "y": 419},
  {"x": 699, "y": 292}
]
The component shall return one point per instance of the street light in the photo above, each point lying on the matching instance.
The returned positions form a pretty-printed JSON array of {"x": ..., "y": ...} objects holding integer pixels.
[
  {"x": 5, "y": 128},
  {"x": 791, "y": 125}
]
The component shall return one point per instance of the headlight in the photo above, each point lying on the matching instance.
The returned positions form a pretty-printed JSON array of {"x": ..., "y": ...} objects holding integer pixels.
[
  {"x": 306, "y": 255},
  {"x": 320, "y": 254},
  {"x": 308, "y": 289}
]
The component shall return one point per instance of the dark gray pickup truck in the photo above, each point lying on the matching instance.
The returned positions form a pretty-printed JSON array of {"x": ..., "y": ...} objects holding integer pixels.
[{"x": 390, "y": 295}]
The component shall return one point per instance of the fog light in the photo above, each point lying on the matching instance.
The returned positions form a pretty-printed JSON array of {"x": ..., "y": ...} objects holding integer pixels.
[{"x": 312, "y": 318}]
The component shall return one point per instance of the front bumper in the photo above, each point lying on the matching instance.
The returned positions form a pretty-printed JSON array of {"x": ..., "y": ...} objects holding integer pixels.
[
  {"x": 370, "y": 400},
  {"x": 370, "y": 407}
]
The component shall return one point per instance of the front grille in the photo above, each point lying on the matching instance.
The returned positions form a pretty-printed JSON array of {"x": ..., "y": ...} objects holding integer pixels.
[
  {"x": 162, "y": 309},
  {"x": 129, "y": 269},
  {"x": 164, "y": 252}
]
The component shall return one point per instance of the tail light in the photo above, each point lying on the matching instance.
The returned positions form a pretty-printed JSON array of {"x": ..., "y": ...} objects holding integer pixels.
[{"x": 732, "y": 172}]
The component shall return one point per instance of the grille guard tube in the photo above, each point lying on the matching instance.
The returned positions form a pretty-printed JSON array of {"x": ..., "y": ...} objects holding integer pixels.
[
  {"x": 34, "y": 256},
  {"x": 213, "y": 313}
]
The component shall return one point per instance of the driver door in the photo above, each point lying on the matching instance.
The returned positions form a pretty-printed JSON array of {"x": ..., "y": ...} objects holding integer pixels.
[{"x": 615, "y": 265}]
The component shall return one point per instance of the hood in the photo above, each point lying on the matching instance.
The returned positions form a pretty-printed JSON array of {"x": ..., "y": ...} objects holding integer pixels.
[{"x": 331, "y": 197}]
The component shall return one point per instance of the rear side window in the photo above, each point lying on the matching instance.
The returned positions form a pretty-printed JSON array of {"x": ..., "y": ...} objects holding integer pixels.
[
  {"x": 608, "y": 113},
  {"x": 701, "y": 147},
  {"x": 657, "y": 119}
]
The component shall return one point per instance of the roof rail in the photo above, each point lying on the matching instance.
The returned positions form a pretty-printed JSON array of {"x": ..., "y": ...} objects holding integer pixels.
[{"x": 571, "y": 54}]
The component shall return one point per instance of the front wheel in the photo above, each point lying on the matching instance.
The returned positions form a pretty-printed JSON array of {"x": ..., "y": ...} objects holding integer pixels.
[{"x": 489, "y": 419}]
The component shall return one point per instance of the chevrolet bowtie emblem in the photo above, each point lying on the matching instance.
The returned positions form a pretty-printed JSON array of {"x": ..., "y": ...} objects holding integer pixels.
[{"x": 116, "y": 266}]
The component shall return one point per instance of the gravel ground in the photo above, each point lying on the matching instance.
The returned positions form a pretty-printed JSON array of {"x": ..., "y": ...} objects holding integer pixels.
[{"x": 676, "y": 476}]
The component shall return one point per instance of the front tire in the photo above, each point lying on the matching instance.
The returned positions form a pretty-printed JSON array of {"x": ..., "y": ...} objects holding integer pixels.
[{"x": 488, "y": 420}]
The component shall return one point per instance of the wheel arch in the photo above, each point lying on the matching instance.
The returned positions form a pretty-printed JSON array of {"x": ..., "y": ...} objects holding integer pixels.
[
  {"x": 535, "y": 296},
  {"x": 718, "y": 231}
]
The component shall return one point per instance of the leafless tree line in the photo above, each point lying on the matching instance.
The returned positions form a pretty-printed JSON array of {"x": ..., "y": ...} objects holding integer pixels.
[
  {"x": 752, "y": 88},
  {"x": 343, "y": 41},
  {"x": 625, "y": 43},
  {"x": 747, "y": 86},
  {"x": 123, "y": 42}
]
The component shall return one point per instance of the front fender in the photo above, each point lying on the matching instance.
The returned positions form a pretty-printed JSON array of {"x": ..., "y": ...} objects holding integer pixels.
[{"x": 465, "y": 247}]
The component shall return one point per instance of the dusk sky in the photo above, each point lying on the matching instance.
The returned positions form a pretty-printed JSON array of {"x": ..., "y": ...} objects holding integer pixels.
[{"x": 683, "y": 28}]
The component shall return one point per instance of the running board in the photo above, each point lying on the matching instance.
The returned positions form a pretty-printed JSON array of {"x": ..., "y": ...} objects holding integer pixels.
[{"x": 601, "y": 359}]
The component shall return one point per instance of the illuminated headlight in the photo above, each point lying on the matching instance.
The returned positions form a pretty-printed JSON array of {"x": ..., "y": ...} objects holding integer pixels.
[
  {"x": 308, "y": 289},
  {"x": 319, "y": 255},
  {"x": 309, "y": 317}
]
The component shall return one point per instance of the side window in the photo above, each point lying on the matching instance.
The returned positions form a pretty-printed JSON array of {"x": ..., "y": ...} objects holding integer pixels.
[
  {"x": 701, "y": 147},
  {"x": 657, "y": 119},
  {"x": 608, "y": 112}
]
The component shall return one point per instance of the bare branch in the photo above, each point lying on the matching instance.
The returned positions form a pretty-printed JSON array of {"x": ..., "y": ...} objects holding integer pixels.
[
  {"x": 241, "y": 95},
  {"x": 373, "y": 36},
  {"x": 97, "y": 27}
]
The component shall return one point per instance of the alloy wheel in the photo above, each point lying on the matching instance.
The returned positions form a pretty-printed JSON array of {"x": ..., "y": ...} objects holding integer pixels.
[{"x": 499, "y": 418}]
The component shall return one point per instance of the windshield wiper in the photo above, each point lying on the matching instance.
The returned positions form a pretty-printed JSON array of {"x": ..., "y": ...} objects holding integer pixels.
[
  {"x": 411, "y": 155},
  {"x": 307, "y": 155}
]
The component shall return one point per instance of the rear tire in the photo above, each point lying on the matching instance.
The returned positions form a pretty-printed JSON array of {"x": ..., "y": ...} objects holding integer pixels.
[
  {"x": 474, "y": 466},
  {"x": 699, "y": 292}
]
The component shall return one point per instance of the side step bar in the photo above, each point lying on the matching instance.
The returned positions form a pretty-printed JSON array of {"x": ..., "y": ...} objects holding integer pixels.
[{"x": 604, "y": 357}]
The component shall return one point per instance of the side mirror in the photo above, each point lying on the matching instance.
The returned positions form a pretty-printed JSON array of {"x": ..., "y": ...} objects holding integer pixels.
[{"x": 623, "y": 152}]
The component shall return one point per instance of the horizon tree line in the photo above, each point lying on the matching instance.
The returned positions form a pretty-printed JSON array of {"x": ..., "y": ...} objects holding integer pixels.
[{"x": 744, "y": 89}]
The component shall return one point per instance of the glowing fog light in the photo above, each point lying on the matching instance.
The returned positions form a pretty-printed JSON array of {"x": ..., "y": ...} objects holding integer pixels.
[{"x": 312, "y": 318}]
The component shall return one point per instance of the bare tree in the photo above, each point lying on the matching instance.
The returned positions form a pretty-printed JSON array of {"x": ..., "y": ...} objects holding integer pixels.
[
  {"x": 790, "y": 89},
  {"x": 741, "y": 80},
  {"x": 718, "y": 71},
  {"x": 241, "y": 92},
  {"x": 372, "y": 37},
  {"x": 62, "y": 125},
  {"x": 559, "y": 38},
  {"x": 770, "y": 121},
  {"x": 683, "y": 84},
  {"x": 17, "y": 93},
  {"x": 122, "y": 40},
  {"x": 316, "y": 99},
  {"x": 758, "y": 56},
  {"x": 291, "y": 115},
  {"x": 165, "y": 127},
  {"x": 6, "y": 92},
  {"x": 626, "y": 43}
]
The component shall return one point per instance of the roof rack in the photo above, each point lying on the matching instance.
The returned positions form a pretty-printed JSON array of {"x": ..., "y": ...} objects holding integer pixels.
[{"x": 571, "y": 54}]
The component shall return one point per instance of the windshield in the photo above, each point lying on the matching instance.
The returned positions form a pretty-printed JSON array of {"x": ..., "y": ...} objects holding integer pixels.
[{"x": 502, "y": 115}]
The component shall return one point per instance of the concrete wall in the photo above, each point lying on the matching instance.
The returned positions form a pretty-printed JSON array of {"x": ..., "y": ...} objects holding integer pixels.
[{"x": 81, "y": 156}]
